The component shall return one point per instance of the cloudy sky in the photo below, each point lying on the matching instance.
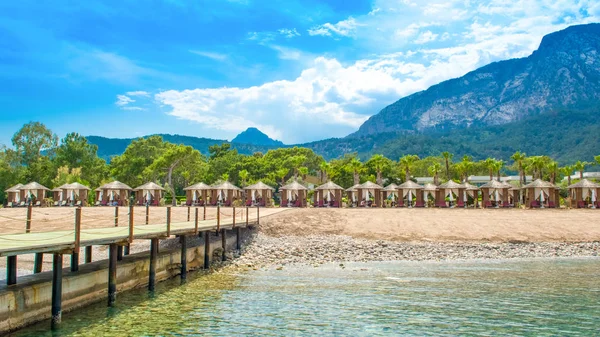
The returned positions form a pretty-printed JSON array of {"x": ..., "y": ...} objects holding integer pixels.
[{"x": 299, "y": 70}]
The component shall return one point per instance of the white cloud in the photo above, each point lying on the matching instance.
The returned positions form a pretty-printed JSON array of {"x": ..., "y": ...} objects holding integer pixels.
[
  {"x": 342, "y": 28},
  {"x": 210, "y": 55},
  {"x": 123, "y": 100},
  {"x": 426, "y": 37},
  {"x": 138, "y": 93},
  {"x": 133, "y": 108},
  {"x": 288, "y": 33}
]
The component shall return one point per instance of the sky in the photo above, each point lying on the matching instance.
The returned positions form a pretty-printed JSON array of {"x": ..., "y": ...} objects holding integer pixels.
[{"x": 298, "y": 70}]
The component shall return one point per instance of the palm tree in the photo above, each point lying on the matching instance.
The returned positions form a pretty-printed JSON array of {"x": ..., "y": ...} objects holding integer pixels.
[
  {"x": 519, "y": 159},
  {"x": 244, "y": 176},
  {"x": 281, "y": 173},
  {"x": 406, "y": 163},
  {"x": 567, "y": 170},
  {"x": 447, "y": 158},
  {"x": 225, "y": 177},
  {"x": 552, "y": 167},
  {"x": 378, "y": 162},
  {"x": 498, "y": 165},
  {"x": 324, "y": 169},
  {"x": 580, "y": 166},
  {"x": 464, "y": 167},
  {"x": 434, "y": 170},
  {"x": 537, "y": 164},
  {"x": 303, "y": 171},
  {"x": 490, "y": 164},
  {"x": 356, "y": 166}
]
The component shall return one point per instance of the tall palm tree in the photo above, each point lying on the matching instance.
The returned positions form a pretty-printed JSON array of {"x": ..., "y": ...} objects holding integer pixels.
[
  {"x": 378, "y": 161},
  {"x": 356, "y": 166},
  {"x": 281, "y": 173},
  {"x": 567, "y": 170},
  {"x": 552, "y": 167},
  {"x": 580, "y": 166},
  {"x": 519, "y": 159},
  {"x": 536, "y": 165},
  {"x": 490, "y": 164},
  {"x": 303, "y": 172},
  {"x": 447, "y": 158},
  {"x": 324, "y": 169},
  {"x": 406, "y": 163},
  {"x": 498, "y": 165},
  {"x": 434, "y": 170},
  {"x": 244, "y": 176}
]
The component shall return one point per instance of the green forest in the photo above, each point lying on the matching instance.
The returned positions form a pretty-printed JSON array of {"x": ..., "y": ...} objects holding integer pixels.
[{"x": 38, "y": 155}]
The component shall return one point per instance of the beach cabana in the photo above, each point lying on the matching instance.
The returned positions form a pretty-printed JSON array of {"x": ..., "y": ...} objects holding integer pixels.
[
  {"x": 13, "y": 196},
  {"x": 33, "y": 193},
  {"x": 258, "y": 194},
  {"x": 352, "y": 195},
  {"x": 390, "y": 192},
  {"x": 541, "y": 194},
  {"x": 112, "y": 194},
  {"x": 293, "y": 195},
  {"x": 410, "y": 191},
  {"x": 329, "y": 194},
  {"x": 197, "y": 194},
  {"x": 148, "y": 194},
  {"x": 453, "y": 191},
  {"x": 584, "y": 194},
  {"x": 471, "y": 191},
  {"x": 495, "y": 194},
  {"x": 369, "y": 194},
  {"x": 224, "y": 194},
  {"x": 76, "y": 194},
  {"x": 430, "y": 191}
]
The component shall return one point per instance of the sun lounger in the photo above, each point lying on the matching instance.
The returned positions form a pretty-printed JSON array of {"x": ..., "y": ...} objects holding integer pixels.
[
  {"x": 321, "y": 204},
  {"x": 580, "y": 204},
  {"x": 551, "y": 204},
  {"x": 249, "y": 202},
  {"x": 283, "y": 203},
  {"x": 460, "y": 204},
  {"x": 336, "y": 204}
]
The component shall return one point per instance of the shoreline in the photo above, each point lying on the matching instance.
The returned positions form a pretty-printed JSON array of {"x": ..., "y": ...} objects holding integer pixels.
[{"x": 264, "y": 251}]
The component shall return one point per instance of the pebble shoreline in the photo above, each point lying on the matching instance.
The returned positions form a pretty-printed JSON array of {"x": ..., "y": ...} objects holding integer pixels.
[{"x": 261, "y": 250}]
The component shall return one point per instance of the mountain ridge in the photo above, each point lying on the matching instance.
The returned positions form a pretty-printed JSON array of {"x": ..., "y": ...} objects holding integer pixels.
[{"x": 255, "y": 137}]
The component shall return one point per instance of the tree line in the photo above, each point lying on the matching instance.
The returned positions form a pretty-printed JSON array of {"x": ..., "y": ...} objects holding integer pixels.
[{"x": 38, "y": 155}]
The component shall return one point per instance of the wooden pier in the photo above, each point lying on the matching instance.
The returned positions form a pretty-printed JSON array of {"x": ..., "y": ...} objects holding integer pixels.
[{"x": 70, "y": 242}]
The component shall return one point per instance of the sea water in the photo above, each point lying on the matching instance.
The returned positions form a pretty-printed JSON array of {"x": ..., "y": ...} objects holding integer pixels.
[{"x": 541, "y": 297}]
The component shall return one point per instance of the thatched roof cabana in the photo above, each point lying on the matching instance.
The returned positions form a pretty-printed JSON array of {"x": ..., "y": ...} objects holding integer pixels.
[
  {"x": 409, "y": 189},
  {"x": 114, "y": 193},
  {"x": 224, "y": 193},
  {"x": 541, "y": 193},
  {"x": 197, "y": 194},
  {"x": 33, "y": 190},
  {"x": 450, "y": 189},
  {"x": 293, "y": 194},
  {"x": 366, "y": 191},
  {"x": 471, "y": 191},
  {"x": 498, "y": 191},
  {"x": 351, "y": 192},
  {"x": 259, "y": 194},
  {"x": 330, "y": 192},
  {"x": 148, "y": 194},
  {"x": 13, "y": 194},
  {"x": 584, "y": 193}
]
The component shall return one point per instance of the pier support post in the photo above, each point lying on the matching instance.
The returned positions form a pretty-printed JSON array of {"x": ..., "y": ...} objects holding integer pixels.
[
  {"x": 147, "y": 214},
  {"x": 183, "y": 274},
  {"x": 196, "y": 221},
  {"x": 75, "y": 261},
  {"x": 188, "y": 215},
  {"x": 206, "y": 250},
  {"x": 28, "y": 221},
  {"x": 38, "y": 263},
  {"x": 238, "y": 244},
  {"x": 112, "y": 274},
  {"x": 88, "y": 254},
  {"x": 204, "y": 211},
  {"x": 119, "y": 253},
  {"x": 11, "y": 270},
  {"x": 153, "y": 258},
  {"x": 126, "y": 249},
  {"x": 57, "y": 265},
  {"x": 75, "y": 253},
  {"x": 168, "y": 221},
  {"x": 224, "y": 243},
  {"x": 257, "y": 215}
]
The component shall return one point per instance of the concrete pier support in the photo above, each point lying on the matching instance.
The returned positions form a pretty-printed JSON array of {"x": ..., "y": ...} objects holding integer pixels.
[
  {"x": 11, "y": 270},
  {"x": 112, "y": 274},
  {"x": 153, "y": 258},
  {"x": 88, "y": 254},
  {"x": 224, "y": 244},
  {"x": 238, "y": 234},
  {"x": 38, "y": 263},
  {"x": 57, "y": 266},
  {"x": 183, "y": 274},
  {"x": 75, "y": 261},
  {"x": 206, "y": 250}
]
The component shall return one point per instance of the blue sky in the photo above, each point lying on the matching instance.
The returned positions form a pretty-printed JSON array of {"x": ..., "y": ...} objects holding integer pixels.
[{"x": 297, "y": 70}]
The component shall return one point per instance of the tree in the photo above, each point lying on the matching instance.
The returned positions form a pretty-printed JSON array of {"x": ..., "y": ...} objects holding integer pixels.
[
  {"x": 552, "y": 167},
  {"x": 379, "y": 163},
  {"x": 243, "y": 174},
  {"x": 498, "y": 165},
  {"x": 566, "y": 171},
  {"x": 303, "y": 172},
  {"x": 536, "y": 165},
  {"x": 447, "y": 158},
  {"x": 464, "y": 167},
  {"x": 141, "y": 153},
  {"x": 435, "y": 170},
  {"x": 406, "y": 163},
  {"x": 74, "y": 151},
  {"x": 597, "y": 159},
  {"x": 580, "y": 166},
  {"x": 33, "y": 139},
  {"x": 490, "y": 164},
  {"x": 168, "y": 161},
  {"x": 519, "y": 159},
  {"x": 324, "y": 169},
  {"x": 356, "y": 166},
  {"x": 282, "y": 173}
]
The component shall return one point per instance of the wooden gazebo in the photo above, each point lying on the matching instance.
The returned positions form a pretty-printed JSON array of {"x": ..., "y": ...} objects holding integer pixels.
[
  {"x": 33, "y": 193},
  {"x": 197, "y": 194},
  {"x": 224, "y": 193},
  {"x": 293, "y": 195},
  {"x": 259, "y": 194},
  {"x": 470, "y": 191},
  {"x": 453, "y": 191},
  {"x": 113, "y": 194},
  {"x": 584, "y": 194},
  {"x": 74, "y": 194},
  {"x": 390, "y": 192},
  {"x": 148, "y": 194},
  {"x": 328, "y": 195},
  {"x": 352, "y": 195},
  {"x": 13, "y": 195},
  {"x": 541, "y": 194},
  {"x": 408, "y": 190},
  {"x": 495, "y": 194},
  {"x": 430, "y": 190},
  {"x": 367, "y": 191}
]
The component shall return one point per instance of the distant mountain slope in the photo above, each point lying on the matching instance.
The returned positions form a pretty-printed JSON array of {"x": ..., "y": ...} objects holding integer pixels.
[
  {"x": 564, "y": 73},
  {"x": 255, "y": 137}
]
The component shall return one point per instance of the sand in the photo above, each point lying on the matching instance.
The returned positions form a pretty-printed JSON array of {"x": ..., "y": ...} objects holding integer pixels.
[{"x": 440, "y": 225}]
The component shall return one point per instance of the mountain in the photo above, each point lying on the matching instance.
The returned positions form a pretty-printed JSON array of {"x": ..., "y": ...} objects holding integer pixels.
[
  {"x": 563, "y": 74},
  {"x": 255, "y": 137}
]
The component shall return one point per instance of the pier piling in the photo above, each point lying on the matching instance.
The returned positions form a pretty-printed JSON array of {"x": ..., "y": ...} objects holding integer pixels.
[
  {"x": 224, "y": 243},
  {"x": 11, "y": 270},
  {"x": 196, "y": 221},
  {"x": 153, "y": 258},
  {"x": 75, "y": 254},
  {"x": 112, "y": 274},
  {"x": 38, "y": 263},
  {"x": 28, "y": 221},
  {"x": 206, "y": 250},
  {"x": 57, "y": 265},
  {"x": 183, "y": 240},
  {"x": 168, "y": 221},
  {"x": 188, "y": 214},
  {"x": 147, "y": 213},
  {"x": 238, "y": 244},
  {"x": 88, "y": 254},
  {"x": 126, "y": 249}
]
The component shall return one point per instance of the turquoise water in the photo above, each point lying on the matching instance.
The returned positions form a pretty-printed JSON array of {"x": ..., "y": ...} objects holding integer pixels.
[{"x": 508, "y": 297}]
